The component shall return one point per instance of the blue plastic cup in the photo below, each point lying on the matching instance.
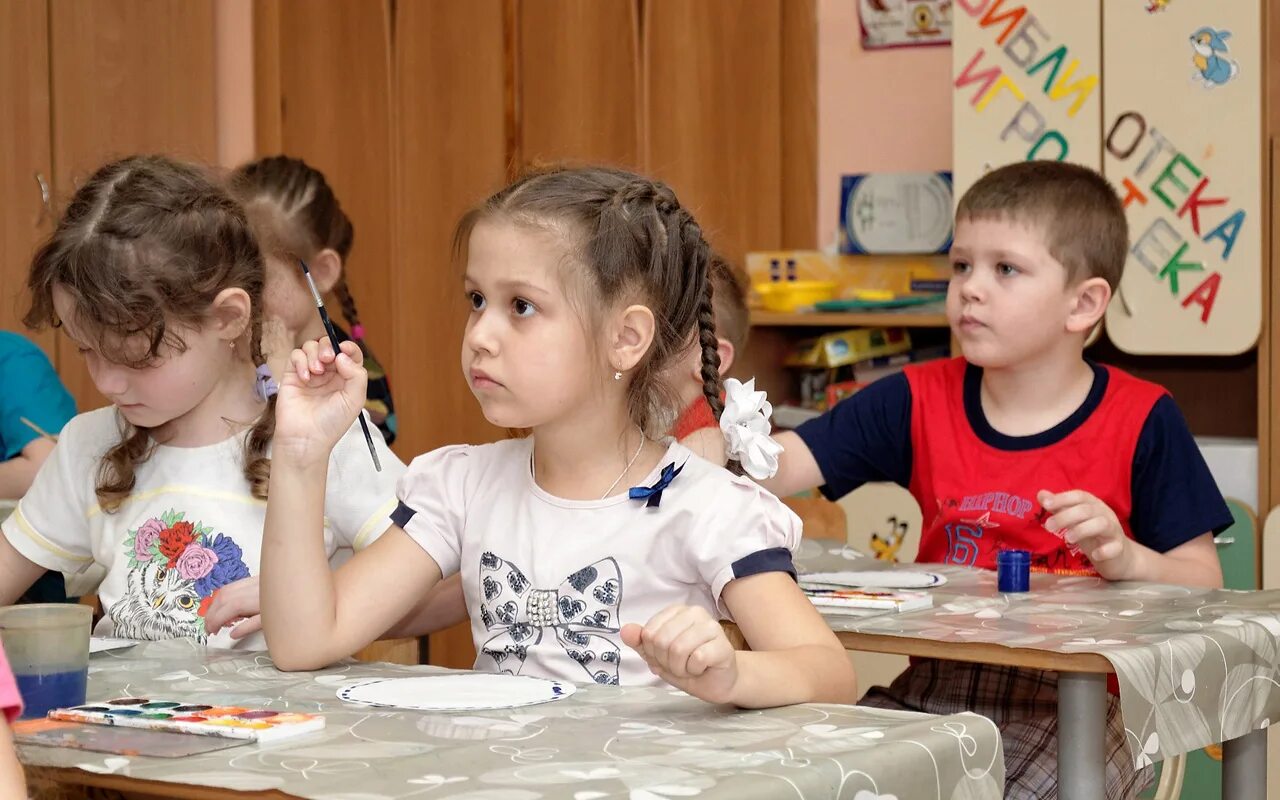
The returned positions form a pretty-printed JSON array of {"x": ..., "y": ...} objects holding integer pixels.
[
  {"x": 47, "y": 645},
  {"x": 1013, "y": 570}
]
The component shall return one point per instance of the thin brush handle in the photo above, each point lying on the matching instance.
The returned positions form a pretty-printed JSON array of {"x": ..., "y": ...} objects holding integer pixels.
[{"x": 333, "y": 339}]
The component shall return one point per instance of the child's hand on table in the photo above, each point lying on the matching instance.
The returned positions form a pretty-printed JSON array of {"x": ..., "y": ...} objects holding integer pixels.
[
  {"x": 688, "y": 649},
  {"x": 235, "y": 601},
  {"x": 1085, "y": 522}
]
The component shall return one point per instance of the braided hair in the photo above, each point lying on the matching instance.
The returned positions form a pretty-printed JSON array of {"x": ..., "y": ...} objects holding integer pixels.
[
  {"x": 143, "y": 249},
  {"x": 632, "y": 238}
]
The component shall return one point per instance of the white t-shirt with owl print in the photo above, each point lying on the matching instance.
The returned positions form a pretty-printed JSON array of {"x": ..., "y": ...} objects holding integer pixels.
[
  {"x": 190, "y": 527},
  {"x": 549, "y": 582}
]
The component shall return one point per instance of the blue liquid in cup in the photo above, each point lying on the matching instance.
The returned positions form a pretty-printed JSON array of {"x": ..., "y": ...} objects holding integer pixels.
[{"x": 45, "y": 692}]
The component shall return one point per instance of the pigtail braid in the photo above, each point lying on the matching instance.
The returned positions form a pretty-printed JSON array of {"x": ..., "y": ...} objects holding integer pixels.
[
  {"x": 257, "y": 465},
  {"x": 349, "y": 312},
  {"x": 117, "y": 472}
]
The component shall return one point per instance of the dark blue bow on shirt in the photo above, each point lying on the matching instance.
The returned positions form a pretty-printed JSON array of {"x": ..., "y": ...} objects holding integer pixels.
[{"x": 653, "y": 494}]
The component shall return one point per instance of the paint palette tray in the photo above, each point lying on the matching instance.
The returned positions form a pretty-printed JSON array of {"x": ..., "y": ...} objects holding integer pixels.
[{"x": 228, "y": 722}]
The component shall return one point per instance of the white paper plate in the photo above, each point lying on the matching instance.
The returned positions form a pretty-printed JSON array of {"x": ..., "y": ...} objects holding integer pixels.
[
  {"x": 877, "y": 579},
  {"x": 468, "y": 692}
]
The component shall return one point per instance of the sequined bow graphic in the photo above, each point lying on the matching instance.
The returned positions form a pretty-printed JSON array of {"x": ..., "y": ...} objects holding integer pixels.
[
  {"x": 652, "y": 495},
  {"x": 579, "y": 612}
]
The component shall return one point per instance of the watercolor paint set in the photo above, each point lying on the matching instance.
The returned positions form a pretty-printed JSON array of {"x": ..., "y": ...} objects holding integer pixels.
[{"x": 228, "y": 722}]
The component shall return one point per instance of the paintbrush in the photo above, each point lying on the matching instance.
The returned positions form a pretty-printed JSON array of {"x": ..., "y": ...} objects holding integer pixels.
[
  {"x": 333, "y": 339},
  {"x": 43, "y": 433}
]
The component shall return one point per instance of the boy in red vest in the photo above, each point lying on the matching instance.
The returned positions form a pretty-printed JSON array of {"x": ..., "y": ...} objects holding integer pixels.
[{"x": 1023, "y": 443}]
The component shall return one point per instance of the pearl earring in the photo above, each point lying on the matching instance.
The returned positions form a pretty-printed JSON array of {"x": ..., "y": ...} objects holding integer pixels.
[{"x": 617, "y": 376}]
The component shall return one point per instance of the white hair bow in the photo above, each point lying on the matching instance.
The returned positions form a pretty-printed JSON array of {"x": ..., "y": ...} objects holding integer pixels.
[{"x": 745, "y": 424}]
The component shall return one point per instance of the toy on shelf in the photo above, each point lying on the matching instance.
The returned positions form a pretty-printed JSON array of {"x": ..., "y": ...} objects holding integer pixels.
[{"x": 791, "y": 281}]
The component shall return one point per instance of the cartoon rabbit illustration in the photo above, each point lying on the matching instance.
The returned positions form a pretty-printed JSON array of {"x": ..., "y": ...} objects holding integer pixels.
[{"x": 1213, "y": 66}]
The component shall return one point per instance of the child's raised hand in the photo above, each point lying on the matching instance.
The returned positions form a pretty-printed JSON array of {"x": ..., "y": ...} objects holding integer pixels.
[
  {"x": 1086, "y": 522},
  {"x": 687, "y": 648},
  {"x": 320, "y": 396}
]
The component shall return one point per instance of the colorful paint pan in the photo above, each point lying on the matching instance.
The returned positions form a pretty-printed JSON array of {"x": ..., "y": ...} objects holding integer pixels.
[{"x": 231, "y": 722}]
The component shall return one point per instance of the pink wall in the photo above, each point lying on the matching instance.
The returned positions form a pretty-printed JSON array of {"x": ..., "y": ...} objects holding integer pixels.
[{"x": 878, "y": 110}]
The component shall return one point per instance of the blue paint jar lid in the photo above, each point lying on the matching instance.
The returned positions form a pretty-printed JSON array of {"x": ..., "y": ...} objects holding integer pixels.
[{"x": 1013, "y": 558}]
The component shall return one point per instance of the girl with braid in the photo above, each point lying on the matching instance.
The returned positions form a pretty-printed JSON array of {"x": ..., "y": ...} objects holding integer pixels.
[
  {"x": 595, "y": 549},
  {"x": 296, "y": 215},
  {"x": 154, "y": 276}
]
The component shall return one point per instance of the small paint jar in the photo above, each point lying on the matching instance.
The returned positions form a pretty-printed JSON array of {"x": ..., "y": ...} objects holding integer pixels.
[{"x": 1013, "y": 570}]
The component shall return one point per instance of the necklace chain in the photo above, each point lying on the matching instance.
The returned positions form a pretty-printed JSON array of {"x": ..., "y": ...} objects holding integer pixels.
[{"x": 533, "y": 469}]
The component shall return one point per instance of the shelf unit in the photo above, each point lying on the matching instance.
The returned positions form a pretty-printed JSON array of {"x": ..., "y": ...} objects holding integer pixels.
[{"x": 773, "y": 335}]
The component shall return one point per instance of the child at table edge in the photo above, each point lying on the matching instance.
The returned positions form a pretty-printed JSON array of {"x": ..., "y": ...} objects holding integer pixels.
[{"x": 1023, "y": 443}]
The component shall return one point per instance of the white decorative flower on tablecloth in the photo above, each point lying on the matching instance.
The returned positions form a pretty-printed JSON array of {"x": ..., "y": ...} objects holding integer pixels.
[
  {"x": 1149, "y": 749},
  {"x": 663, "y": 792},
  {"x": 1269, "y": 621},
  {"x": 437, "y": 780},
  {"x": 961, "y": 734},
  {"x": 1088, "y": 642},
  {"x": 593, "y": 774},
  {"x": 644, "y": 728},
  {"x": 825, "y": 738},
  {"x": 109, "y": 766}
]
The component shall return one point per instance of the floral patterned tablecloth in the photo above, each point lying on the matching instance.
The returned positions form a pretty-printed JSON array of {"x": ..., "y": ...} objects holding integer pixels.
[
  {"x": 1195, "y": 666},
  {"x": 641, "y": 743}
]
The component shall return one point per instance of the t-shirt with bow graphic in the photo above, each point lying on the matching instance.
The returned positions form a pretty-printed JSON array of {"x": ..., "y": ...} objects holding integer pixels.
[{"x": 550, "y": 582}]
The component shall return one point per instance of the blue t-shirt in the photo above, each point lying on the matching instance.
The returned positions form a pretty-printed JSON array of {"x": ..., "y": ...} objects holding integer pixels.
[
  {"x": 31, "y": 389},
  {"x": 868, "y": 438}
]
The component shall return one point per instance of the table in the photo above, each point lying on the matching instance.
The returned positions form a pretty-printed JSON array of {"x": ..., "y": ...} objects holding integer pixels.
[
  {"x": 1195, "y": 666},
  {"x": 645, "y": 743}
]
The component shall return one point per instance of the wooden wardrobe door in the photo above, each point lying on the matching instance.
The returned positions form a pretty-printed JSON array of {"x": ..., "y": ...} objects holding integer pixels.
[
  {"x": 578, "y": 81},
  {"x": 714, "y": 105},
  {"x": 24, "y": 155},
  {"x": 129, "y": 76},
  {"x": 450, "y": 151}
]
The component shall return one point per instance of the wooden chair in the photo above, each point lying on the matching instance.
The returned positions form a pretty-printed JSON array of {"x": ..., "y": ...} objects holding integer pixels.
[{"x": 822, "y": 518}]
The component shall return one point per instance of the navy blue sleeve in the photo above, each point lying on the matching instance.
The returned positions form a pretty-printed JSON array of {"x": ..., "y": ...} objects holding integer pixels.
[
  {"x": 1175, "y": 499},
  {"x": 863, "y": 439}
]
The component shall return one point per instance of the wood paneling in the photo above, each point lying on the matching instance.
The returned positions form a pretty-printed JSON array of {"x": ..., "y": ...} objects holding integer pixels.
[
  {"x": 451, "y": 152},
  {"x": 799, "y": 124},
  {"x": 1217, "y": 394},
  {"x": 24, "y": 83},
  {"x": 335, "y": 113},
  {"x": 129, "y": 76},
  {"x": 1268, "y": 345},
  {"x": 268, "y": 99},
  {"x": 1268, "y": 349},
  {"x": 450, "y": 155},
  {"x": 577, "y": 81},
  {"x": 714, "y": 115}
]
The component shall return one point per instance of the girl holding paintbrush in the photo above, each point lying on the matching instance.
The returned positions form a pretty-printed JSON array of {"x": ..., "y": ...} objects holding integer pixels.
[
  {"x": 594, "y": 549},
  {"x": 154, "y": 274}
]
